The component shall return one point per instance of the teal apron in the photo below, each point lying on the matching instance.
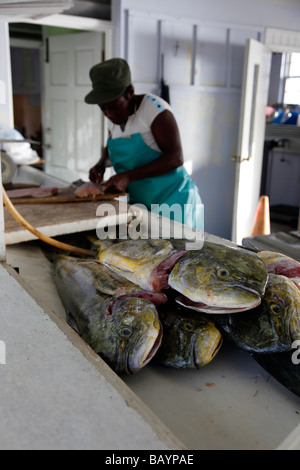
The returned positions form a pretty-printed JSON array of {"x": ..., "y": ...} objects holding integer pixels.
[{"x": 174, "y": 187}]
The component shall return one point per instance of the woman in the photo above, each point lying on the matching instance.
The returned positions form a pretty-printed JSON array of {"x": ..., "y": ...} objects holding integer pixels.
[{"x": 144, "y": 146}]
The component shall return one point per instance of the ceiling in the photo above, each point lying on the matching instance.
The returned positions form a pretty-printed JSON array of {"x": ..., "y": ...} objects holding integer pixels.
[{"x": 100, "y": 9}]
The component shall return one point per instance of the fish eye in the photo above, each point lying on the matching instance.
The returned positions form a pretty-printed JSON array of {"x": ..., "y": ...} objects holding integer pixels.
[
  {"x": 126, "y": 332},
  {"x": 275, "y": 309},
  {"x": 222, "y": 273},
  {"x": 188, "y": 326}
]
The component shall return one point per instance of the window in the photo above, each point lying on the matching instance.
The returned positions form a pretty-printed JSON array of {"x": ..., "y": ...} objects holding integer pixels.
[{"x": 292, "y": 79}]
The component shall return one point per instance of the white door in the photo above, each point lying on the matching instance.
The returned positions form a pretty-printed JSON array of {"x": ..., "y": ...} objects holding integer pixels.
[
  {"x": 251, "y": 138},
  {"x": 73, "y": 130}
]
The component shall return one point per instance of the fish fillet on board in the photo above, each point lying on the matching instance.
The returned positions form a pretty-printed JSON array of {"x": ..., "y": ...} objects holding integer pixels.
[
  {"x": 88, "y": 189},
  {"x": 31, "y": 192}
]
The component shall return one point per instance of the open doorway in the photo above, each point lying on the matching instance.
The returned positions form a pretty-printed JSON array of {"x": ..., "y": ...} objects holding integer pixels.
[
  {"x": 50, "y": 77},
  {"x": 57, "y": 54},
  {"x": 281, "y": 161},
  {"x": 26, "y": 48},
  {"x": 249, "y": 159}
]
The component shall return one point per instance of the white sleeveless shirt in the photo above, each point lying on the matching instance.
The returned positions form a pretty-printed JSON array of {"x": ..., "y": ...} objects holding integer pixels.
[{"x": 141, "y": 121}]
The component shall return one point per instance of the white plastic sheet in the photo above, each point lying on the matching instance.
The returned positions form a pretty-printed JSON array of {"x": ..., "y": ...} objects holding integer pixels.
[{"x": 21, "y": 152}]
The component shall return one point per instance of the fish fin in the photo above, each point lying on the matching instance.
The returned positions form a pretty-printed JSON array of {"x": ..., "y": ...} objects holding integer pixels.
[{"x": 71, "y": 321}]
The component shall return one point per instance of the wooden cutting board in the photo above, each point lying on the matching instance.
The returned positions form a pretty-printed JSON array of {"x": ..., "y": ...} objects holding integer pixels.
[{"x": 64, "y": 195}]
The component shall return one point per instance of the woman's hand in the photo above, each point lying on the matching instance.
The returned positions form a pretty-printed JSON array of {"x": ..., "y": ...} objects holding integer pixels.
[
  {"x": 117, "y": 183},
  {"x": 96, "y": 173}
]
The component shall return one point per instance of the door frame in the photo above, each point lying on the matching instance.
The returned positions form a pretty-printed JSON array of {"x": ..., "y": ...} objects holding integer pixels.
[
  {"x": 282, "y": 40},
  {"x": 249, "y": 158},
  {"x": 276, "y": 40},
  {"x": 71, "y": 94},
  {"x": 71, "y": 22},
  {"x": 75, "y": 22}
]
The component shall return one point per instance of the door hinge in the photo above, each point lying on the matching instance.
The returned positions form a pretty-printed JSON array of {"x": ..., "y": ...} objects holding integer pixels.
[
  {"x": 47, "y": 56},
  {"x": 240, "y": 159}
]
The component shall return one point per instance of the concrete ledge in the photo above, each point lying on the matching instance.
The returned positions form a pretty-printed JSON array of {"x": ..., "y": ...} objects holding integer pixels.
[{"x": 56, "y": 393}]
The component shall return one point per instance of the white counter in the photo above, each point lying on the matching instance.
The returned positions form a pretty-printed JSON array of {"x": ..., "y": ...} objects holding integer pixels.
[
  {"x": 231, "y": 403},
  {"x": 56, "y": 394}
]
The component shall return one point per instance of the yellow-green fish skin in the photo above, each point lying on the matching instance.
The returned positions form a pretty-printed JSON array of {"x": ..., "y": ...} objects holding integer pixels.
[
  {"x": 190, "y": 340},
  {"x": 108, "y": 313},
  {"x": 219, "y": 279},
  {"x": 139, "y": 261},
  {"x": 271, "y": 327}
]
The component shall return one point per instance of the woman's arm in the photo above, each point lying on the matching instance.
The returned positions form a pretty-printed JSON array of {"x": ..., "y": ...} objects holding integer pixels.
[
  {"x": 97, "y": 172},
  {"x": 166, "y": 133}
]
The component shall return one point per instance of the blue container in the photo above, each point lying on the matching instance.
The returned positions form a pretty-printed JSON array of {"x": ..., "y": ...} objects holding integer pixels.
[
  {"x": 292, "y": 118},
  {"x": 278, "y": 116}
]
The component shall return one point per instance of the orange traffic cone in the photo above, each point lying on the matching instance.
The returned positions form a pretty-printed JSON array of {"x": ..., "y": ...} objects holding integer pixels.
[{"x": 262, "y": 224}]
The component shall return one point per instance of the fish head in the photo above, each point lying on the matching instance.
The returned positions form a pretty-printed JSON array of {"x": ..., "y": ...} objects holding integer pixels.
[
  {"x": 296, "y": 281},
  {"x": 220, "y": 279},
  {"x": 207, "y": 343},
  {"x": 273, "y": 325},
  {"x": 189, "y": 341},
  {"x": 277, "y": 263},
  {"x": 135, "y": 333},
  {"x": 281, "y": 304}
]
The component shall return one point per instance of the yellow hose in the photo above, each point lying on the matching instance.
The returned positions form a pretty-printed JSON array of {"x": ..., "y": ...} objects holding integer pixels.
[{"x": 41, "y": 236}]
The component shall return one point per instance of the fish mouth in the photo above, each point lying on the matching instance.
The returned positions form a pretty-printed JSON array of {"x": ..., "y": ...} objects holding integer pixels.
[
  {"x": 251, "y": 290},
  {"x": 203, "y": 307},
  {"x": 198, "y": 364},
  {"x": 146, "y": 356},
  {"x": 217, "y": 348},
  {"x": 154, "y": 348}
]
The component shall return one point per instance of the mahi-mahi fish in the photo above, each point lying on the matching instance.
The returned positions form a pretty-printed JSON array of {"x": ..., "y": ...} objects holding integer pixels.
[
  {"x": 271, "y": 327},
  {"x": 116, "y": 318},
  {"x": 277, "y": 263},
  {"x": 219, "y": 279},
  {"x": 147, "y": 263},
  {"x": 190, "y": 340}
]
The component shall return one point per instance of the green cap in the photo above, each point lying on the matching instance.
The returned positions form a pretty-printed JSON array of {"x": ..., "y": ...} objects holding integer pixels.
[{"x": 109, "y": 80}]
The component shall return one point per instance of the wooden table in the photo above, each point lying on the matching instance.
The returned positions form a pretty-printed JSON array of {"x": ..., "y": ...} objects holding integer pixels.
[{"x": 61, "y": 218}]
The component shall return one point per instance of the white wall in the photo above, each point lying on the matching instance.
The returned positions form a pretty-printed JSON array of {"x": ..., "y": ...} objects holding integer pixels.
[
  {"x": 6, "y": 112},
  {"x": 273, "y": 13},
  {"x": 204, "y": 72},
  {"x": 203, "y": 47}
]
